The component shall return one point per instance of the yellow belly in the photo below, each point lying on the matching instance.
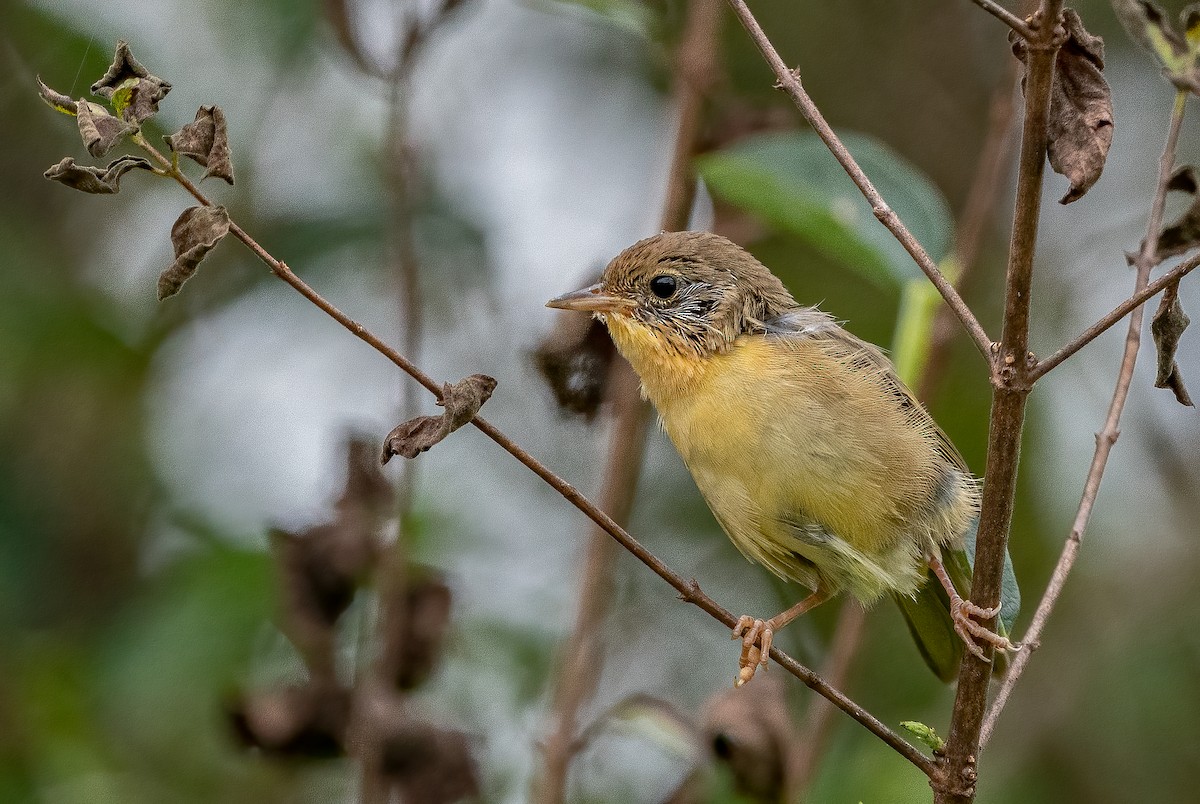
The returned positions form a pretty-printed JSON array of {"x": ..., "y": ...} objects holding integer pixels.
[{"x": 812, "y": 469}]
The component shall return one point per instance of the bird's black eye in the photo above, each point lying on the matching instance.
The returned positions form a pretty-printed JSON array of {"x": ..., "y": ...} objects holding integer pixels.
[{"x": 663, "y": 286}]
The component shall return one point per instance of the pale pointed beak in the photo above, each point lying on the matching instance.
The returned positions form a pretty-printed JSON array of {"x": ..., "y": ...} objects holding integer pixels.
[{"x": 591, "y": 300}]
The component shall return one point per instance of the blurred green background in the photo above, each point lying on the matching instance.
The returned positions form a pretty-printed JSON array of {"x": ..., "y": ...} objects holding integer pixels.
[{"x": 146, "y": 449}]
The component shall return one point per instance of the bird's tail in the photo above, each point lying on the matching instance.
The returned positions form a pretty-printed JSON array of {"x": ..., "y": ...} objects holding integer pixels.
[{"x": 928, "y": 613}]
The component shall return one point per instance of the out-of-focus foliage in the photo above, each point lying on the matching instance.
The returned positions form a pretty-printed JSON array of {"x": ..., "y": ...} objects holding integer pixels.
[
  {"x": 791, "y": 181},
  {"x": 136, "y": 595}
]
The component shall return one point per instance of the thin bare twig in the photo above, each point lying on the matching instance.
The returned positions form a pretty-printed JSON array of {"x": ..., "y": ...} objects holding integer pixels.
[
  {"x": 956, "y": 782},
  {"x": 1107, "y": 437},
  {"x": 580, "y": 671},
  {"x": 688, "y": 590},
  {"x": 1007, "y": 17},
  {"x": 1123, "y": 309},
  {"x": 789, "y": 81}
]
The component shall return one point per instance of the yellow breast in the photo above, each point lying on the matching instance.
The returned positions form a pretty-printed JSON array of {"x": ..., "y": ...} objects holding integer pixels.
[{"x": 787, "y": 443}]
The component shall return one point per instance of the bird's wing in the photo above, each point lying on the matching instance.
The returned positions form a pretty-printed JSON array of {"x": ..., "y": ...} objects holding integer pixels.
[{"x": 812, "y": 323}]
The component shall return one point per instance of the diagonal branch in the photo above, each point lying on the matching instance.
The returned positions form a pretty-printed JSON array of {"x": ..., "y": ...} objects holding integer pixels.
[
  {"x": 1107, "y": 437},
  {"x": 789, "y": 81},
  {"x": 1007, "y": 17},
  {"x": 688, "y": 590},
  {"x": 1123, "y": 309}
]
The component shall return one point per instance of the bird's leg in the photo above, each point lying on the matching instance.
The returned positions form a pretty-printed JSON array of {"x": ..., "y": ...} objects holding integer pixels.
[
  {"x": 962, "y": 612},
  {"x": 756, "y": 635}
]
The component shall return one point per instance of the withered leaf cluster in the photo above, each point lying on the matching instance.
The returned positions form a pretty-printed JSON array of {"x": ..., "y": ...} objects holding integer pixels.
[
  {"x": 133, "y": 94},
  {"x": 1080, "y": 126},
  {"x": 462, "y": 401},
  {"x": 1178, "y": 53},
  {"x": 321, "y": 570}
]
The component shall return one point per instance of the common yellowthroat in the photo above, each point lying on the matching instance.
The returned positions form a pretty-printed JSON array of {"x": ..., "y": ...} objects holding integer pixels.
[{"x": 814, "y": 457}]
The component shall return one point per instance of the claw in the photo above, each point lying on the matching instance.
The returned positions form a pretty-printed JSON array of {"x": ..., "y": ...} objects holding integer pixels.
[
  {"x": 756, "y": 636},
  {"x": 963, "y": 612}
]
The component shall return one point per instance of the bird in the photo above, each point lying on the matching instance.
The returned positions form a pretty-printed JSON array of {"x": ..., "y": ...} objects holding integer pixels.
[{"x": 815, "y": 459}]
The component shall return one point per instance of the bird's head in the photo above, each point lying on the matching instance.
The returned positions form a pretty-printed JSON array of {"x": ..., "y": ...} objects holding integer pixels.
[{"x": 681, "y": 295}]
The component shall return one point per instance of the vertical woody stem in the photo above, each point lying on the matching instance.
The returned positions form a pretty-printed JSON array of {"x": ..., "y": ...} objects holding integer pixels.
[
  {"x": 1011, "y": 383},
  {"x": 1107, "y": 437}
]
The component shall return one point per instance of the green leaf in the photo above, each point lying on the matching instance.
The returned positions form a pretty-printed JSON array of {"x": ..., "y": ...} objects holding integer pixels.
[
  {"x": 925, "y": 734},
  {"x": 791, "y": 181},
  {"x": 629, "y": 15},
  {"x": 178, "y": 651},
  {"x": 919, "y": 303},
  {"x": 1010, "y": 592}
]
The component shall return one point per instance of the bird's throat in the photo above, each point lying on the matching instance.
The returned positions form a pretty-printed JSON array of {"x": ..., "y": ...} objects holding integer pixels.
[{"x": 666, "y": 369}]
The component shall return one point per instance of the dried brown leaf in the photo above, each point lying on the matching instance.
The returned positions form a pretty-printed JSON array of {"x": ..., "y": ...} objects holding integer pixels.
[
  {"x": 461, "y": 400},
  {"x": 124, "y": 67},
  {"x": 321, "y": 568},
  {"x": 749, "y": 730},
  {"x": 1167, "y": 328},
  {"x": 88, "y": 179},
  {"x": 1080, "y": 126},
  {"x": 194, "y": 234},
  {"x": 429, "y": 765},
  {"x": 1183, "y": 180},
  {"x": 308, "y": 721},
  {"x": 133, "y": 91},
  {"x": 100, "y": 130},
  {"x": 1184, "y": 234},
  {"x": 206, "y": 140},
  {"x": 56, "y": 100},
  {"x": 423, "y": 632},
  {"x": 574, "y": 359}
]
